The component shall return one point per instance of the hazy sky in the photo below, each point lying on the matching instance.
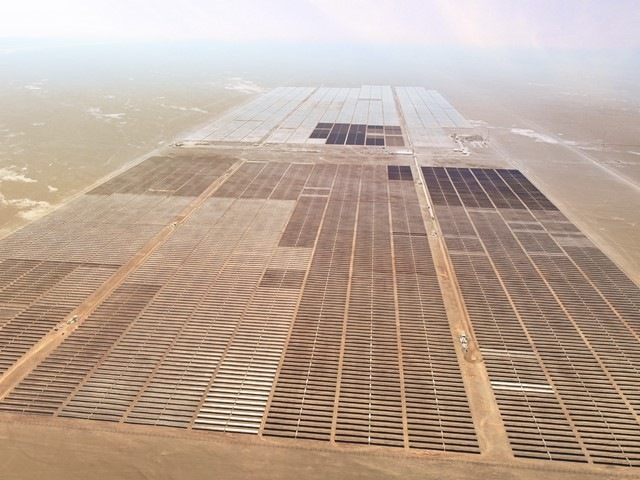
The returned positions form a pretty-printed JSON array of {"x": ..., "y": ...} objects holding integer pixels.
[{"x": 539, "y": 23}]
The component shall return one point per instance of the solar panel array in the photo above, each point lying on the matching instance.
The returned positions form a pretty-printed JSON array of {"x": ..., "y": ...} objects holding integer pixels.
[
  {"x": 296, "y": 300},
  {"x": 294, "y": 115},
  {"x": 556, "y": 321}
]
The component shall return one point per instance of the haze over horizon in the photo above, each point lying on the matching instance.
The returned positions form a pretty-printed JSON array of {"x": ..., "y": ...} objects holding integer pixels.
[{"x": 543, "y": 24}]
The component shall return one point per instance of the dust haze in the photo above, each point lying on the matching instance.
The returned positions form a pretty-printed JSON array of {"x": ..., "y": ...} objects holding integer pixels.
[{"x": 75, "y": 113}]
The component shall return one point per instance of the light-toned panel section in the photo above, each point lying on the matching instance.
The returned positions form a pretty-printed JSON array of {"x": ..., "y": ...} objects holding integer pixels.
[
  {"x": 365, "y": 92},
  {"x": 298, "y": 127},
  {"x": 111, "y": 231},
  {"x": 349, "y": 106},
  {"x": 291, "y": 258},
  {"x": 390, "y": 113},
  {"x": 271, "y": 118},
  {"x": 256, "y": 119},
  {"x": 361, "y": 112},
  {"x": 331, "y": 115},
  {"x": 434, "y": 108},
  {"x": 238, "y": 131},
  {"x": 423, "y": 128},
  {"x": 376, "y": 92},
  {"x": 376, "y": 115},
  {"x": 238, "y": 114},
  {"x": 458, "y": 120},
  {"x": 380, "y": 102}
]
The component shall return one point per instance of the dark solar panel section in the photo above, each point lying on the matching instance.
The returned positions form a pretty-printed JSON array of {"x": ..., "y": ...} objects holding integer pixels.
[
  {"x": 405, "y": 173},
  {"x": 393, "y": 172},
  {"x": 399, "y": 172},
  {"x": 322, "y": 130},
  {"x": 359, "y": 134},
  {"x": 166, "y": 176},
  {"x": 528, "y": 193},
  {"x": 556, "y": 321},
  {"x": 342, "y": 371},
  {"x": 621, "y": 293},
  {"x": 497, "y": 190},
  {"x": 338, "y": 134},
  {"x": 441, "y": 190},
  {"x": 303, "y": 227},
  {"x": 448, "y": 209},
  {"x": 468, "y": 188},
  {"x": 281, "y": 278}
]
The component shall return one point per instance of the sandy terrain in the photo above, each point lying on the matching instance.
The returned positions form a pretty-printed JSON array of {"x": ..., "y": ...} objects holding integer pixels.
[{"x": 68, "y": 450}]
